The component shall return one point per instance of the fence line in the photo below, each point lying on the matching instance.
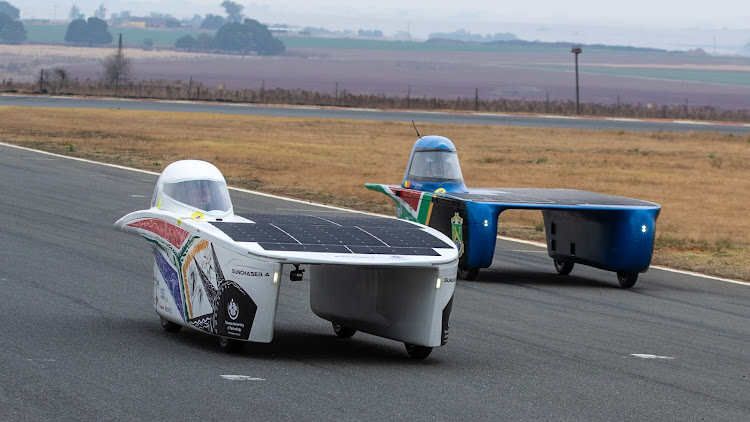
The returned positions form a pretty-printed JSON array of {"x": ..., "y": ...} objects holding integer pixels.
[{"x": 54, "y": 83}]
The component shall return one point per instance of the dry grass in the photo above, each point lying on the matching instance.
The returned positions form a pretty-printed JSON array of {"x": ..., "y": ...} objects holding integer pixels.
[{"x": 702, "y": 180}]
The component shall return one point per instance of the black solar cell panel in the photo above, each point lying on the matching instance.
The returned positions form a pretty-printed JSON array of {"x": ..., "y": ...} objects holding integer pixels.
[
  {"x": 534, "y": 196},
  {"x": 333, "y": 234}
]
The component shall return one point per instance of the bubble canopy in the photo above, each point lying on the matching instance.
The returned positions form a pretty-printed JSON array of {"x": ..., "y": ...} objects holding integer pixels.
[
  {"x": 192, "y": 185},
  {"x": 434, "y": 165}
]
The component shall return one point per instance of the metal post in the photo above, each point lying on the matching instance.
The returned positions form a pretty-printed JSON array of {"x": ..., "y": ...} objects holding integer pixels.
[
  {"x": 576, "y": 49},
  {"x": 118, "y": 66}
]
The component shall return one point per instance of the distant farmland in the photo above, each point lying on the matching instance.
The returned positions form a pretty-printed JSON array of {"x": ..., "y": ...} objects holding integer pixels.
[{"x": 425, "y": 70}]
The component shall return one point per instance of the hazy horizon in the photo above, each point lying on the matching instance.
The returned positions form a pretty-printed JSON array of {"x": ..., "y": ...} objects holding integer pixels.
[{"x": 724, "y": 27}]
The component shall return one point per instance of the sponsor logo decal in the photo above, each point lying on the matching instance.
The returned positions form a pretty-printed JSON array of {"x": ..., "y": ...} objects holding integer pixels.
[
  {"x": 233, "y": 310},
  {"x": 457, "y": 233}
]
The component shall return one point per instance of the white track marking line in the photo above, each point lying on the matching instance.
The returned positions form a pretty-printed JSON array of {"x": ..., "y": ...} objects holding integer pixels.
[
  {"x": 241, "y": 378},
  {"x": 645, "y": 356},
  {"x": 690, "y": 122},
  {"x": 728, "y": 280},
  {"x": 299, "y": 201},
  {"x": 623, "y": 119}
]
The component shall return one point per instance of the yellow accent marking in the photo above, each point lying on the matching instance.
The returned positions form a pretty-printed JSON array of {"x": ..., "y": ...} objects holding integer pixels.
[
  {"x": 197, "y": 216},
  {"x": 179, "y": 221},
  {"x": 159, "y": 206},
  {"x": 440, "y": 190},
  {"x": 203, "y": 244},
  {"x": 429, "y": 214}
]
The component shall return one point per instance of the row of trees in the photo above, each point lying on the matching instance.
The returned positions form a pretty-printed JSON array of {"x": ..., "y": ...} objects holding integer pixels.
[
  {"x": 88, "y": 32},
  {"x": 12, "y": 30},
  {"x": 247, "y": 37}
]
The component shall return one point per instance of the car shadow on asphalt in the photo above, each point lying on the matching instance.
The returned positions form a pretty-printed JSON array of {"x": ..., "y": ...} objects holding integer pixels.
[{"x": 529, "y": 277}]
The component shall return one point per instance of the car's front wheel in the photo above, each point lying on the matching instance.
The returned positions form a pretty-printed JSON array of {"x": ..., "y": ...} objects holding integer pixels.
[
  {"x": 170, "y": 326},
  {"x": 467, "y": 273},
  {"x": 229, "y": 345}
]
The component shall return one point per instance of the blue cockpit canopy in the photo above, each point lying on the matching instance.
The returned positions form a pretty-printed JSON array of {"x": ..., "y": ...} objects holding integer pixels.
[{"x": 434, "y": 165}]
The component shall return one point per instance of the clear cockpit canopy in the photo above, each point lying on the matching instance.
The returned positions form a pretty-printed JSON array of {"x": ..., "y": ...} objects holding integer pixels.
[
  {"x": 435, "y": 165},
  {"x": 187, "y": 186}
]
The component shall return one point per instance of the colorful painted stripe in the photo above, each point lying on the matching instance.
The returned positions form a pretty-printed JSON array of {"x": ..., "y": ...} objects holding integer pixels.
[
  {"x": 169, "y": 232},
  {"x": 412, "y": 205},
  {"x": 170, "y": 277},
  {"x": 203, "y": 244}
]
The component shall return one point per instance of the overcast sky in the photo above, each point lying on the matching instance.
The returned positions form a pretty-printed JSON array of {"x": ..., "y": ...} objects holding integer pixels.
[
  {"x": 421, "y": 17},
  {"x": 717, "y": 13}
]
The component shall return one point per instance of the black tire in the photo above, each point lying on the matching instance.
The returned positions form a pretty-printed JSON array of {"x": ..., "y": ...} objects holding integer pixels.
[
  {"x": 170, "y": 326},
  {"x": 418, "y": 352},
  {"x": 626, "y": 279},
  {"x": 343, "y": 332},
  {"x": 563, "y": 267},
  {"x": 467, "y": 273},
  {"x": 229, "y": 345}
]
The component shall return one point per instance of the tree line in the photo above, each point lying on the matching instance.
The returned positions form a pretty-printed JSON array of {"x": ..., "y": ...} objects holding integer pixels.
[
  {"x": 12, "y": 30},
  {"x": 234, "y": 35},
  {"x": 247, "y": 37}
]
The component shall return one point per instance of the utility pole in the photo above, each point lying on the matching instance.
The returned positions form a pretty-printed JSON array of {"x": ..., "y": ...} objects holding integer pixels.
[
  {"x": 119, "y": 65},
  {"x": 576, "y": 50}
]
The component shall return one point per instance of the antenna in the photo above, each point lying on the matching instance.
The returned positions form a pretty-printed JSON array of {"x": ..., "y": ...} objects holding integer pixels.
[{"x": 415, "y": 129}]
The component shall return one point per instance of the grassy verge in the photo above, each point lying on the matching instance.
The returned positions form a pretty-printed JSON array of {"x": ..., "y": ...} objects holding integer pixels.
[{"x": 702, "y": 180}]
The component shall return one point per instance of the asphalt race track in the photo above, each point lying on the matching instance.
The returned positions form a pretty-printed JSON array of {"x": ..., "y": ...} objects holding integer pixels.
[
  {"x": 80, "y": 339},
  {"x": 557, "y": 122}
]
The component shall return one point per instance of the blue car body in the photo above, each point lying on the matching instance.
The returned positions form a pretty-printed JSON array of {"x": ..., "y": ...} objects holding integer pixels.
[{"x": 603, "y": 231}]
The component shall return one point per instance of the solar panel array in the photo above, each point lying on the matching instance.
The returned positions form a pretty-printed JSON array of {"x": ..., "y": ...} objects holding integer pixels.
[
  {"x": 333, "y": 234},
  {"x": 547, "y": 197}
]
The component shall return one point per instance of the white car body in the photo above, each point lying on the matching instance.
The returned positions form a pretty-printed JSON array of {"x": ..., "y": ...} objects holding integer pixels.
[{"x": 219, "y": 273}]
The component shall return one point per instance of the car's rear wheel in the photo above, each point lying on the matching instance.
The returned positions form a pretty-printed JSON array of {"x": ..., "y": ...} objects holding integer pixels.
[
  {"x": 626, "y": 279},
  {"x": 417, "y": 352},
  {"x": 343, "y": 332},
  {"x": 563, "y": 267}
]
